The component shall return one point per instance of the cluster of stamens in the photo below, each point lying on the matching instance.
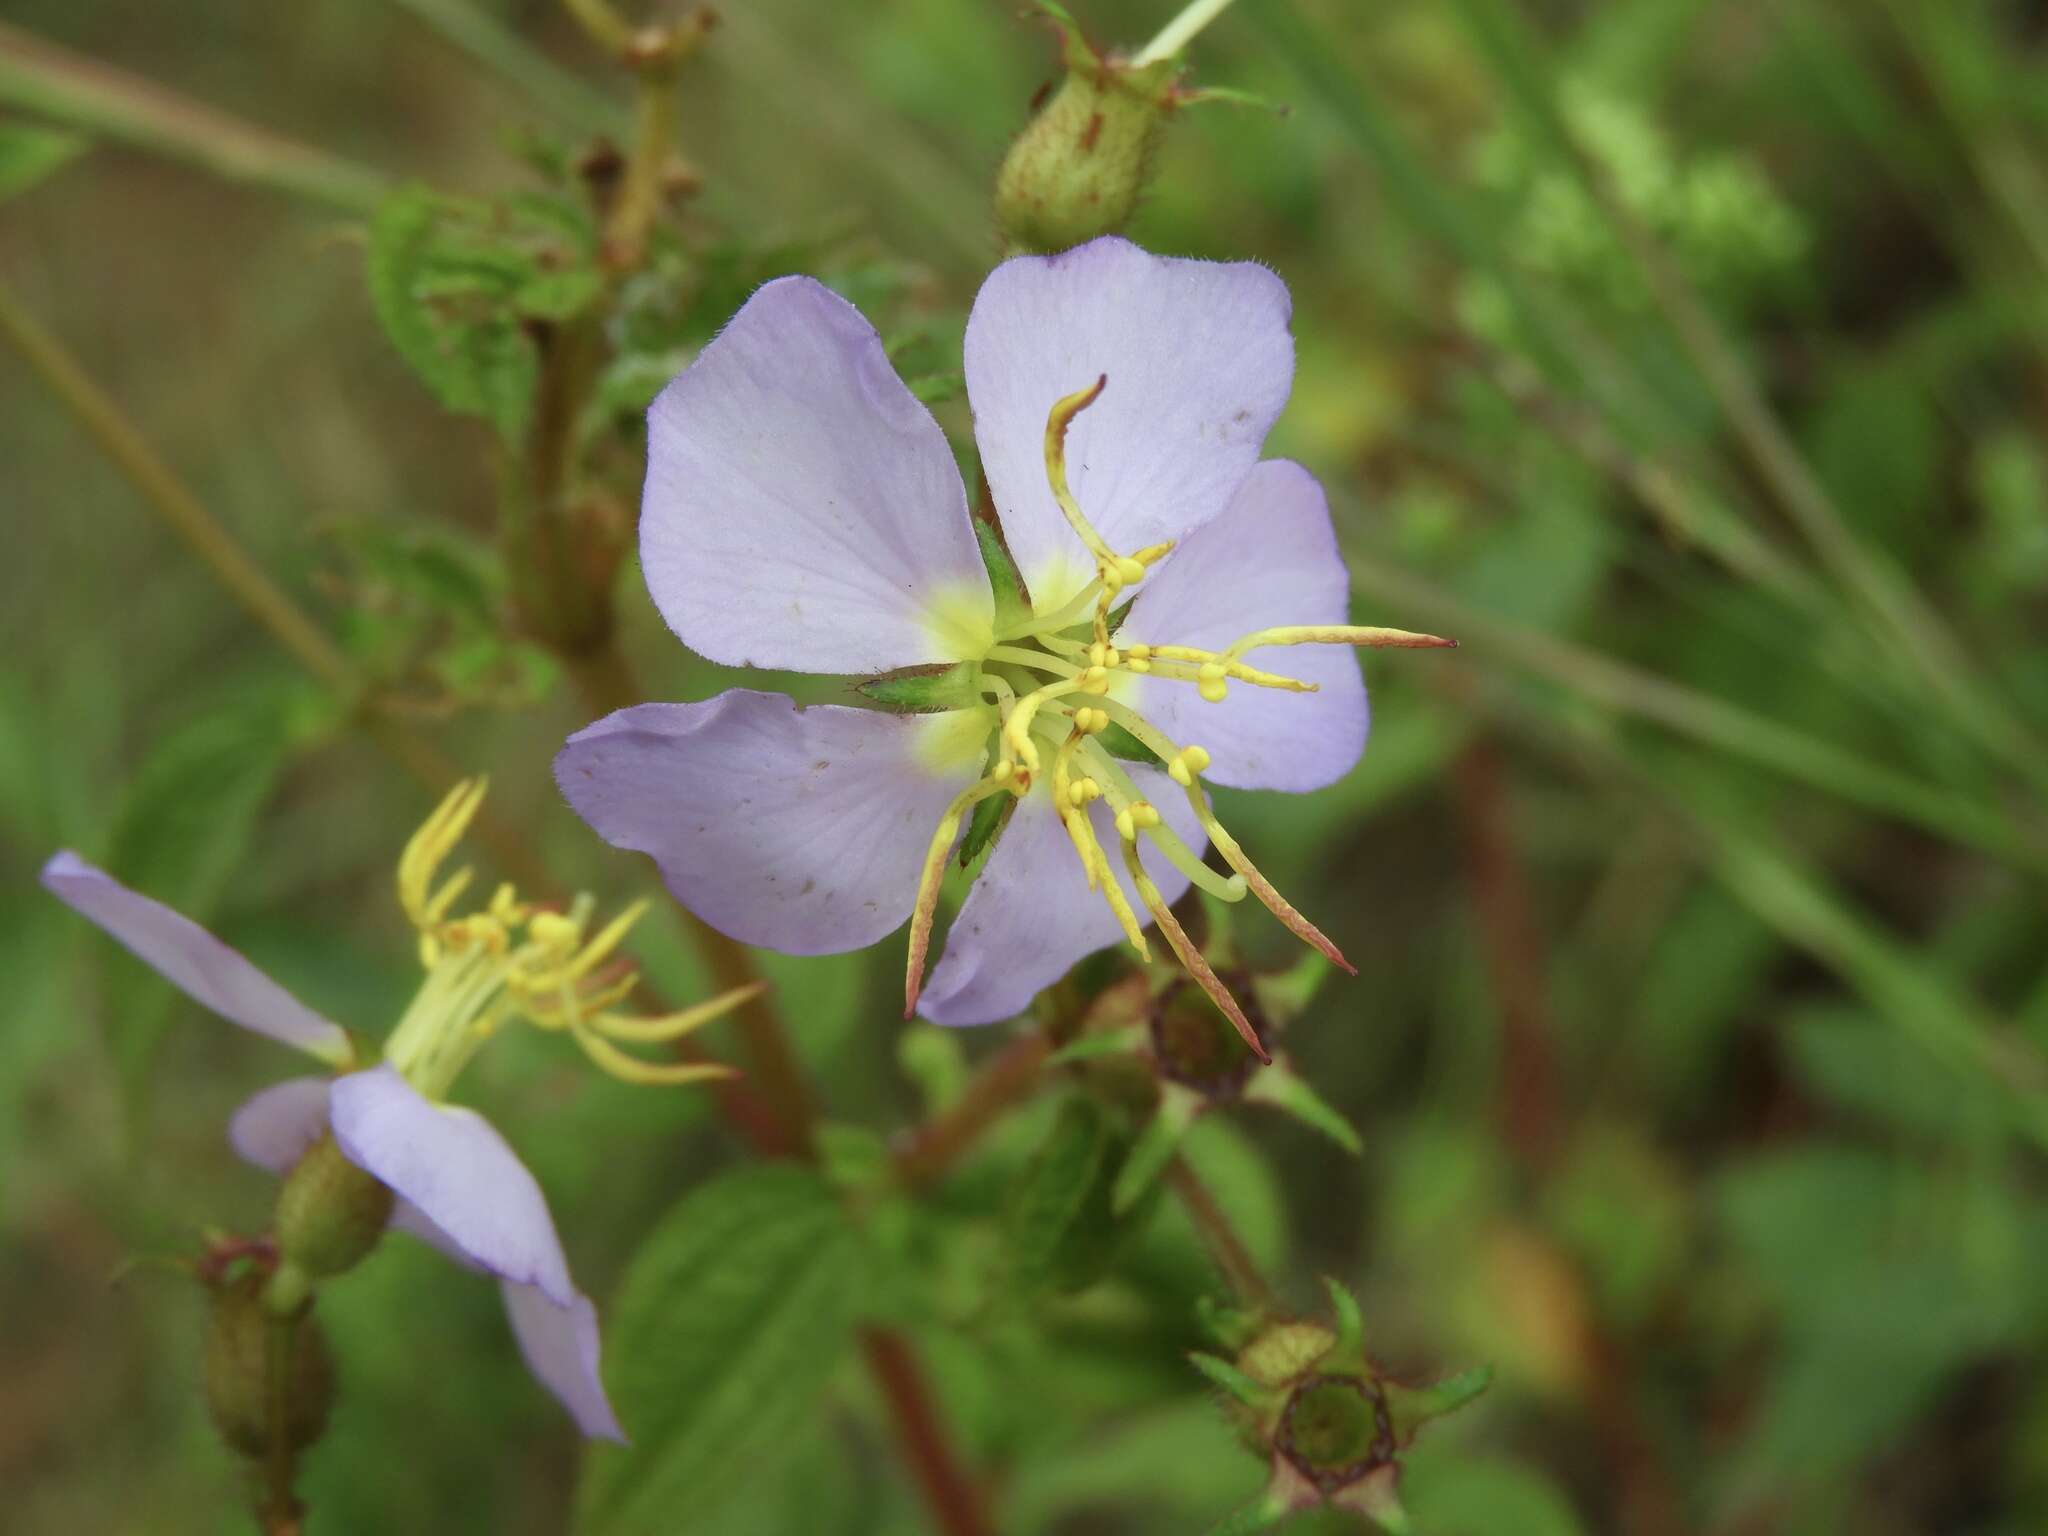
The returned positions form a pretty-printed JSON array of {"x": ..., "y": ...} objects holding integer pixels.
[
  {"x": 1068, "y": 713},
  {"x": 516, "y": 960}
]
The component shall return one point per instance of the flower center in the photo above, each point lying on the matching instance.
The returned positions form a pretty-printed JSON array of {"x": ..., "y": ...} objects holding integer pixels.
[
  {"x": 1047, "y": 679},
  {"x": 517, "y": 960}
]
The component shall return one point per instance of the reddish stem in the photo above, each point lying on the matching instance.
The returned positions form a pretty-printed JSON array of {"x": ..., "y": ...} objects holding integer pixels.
[
  {"x": 955, "y": 1503},
  {"x": 1514, "y": 954},
  {"x": 927, "y": 1152}
]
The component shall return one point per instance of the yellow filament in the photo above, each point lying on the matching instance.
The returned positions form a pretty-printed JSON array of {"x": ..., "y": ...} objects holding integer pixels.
[
  {"x": 927, "y": 904},
  {"x": 673, "y": 1026},
  {"x": 627, "y": 1068}
]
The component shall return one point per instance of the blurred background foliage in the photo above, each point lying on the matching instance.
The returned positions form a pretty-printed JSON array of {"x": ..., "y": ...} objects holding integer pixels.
[{"x": 1681, "y": 357}]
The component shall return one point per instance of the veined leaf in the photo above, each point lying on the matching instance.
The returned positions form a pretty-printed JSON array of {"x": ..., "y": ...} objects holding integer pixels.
[{"x": 732, "y": 1319}]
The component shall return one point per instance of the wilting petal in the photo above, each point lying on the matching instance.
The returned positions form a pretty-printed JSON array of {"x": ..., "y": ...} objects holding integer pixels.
[
  {"x": 1270, "y": 559},
  {"x": 458, "y": 1171},
  {"x": 800, "y": 829},
  {"x": 560, "y": 1345},
  {"x": 802, "y": 508},
  {"x": 1031, "y": 915},
  {"x": 1199, "y": 361},
  {"x": 276, "y": 1125},
  {"x": 193, "y": 960}
]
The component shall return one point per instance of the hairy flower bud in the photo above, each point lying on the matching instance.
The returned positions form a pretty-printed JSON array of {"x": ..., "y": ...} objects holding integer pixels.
[
  {"x": 1332, "y": 1426},
  {"x": 329, "y": 1212},
  {"x": 1080, "y": 165},
  {"x": 236, "y": 1369}
]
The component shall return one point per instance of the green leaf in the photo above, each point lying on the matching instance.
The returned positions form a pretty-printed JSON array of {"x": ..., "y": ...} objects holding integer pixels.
[
  {"x": 1289, "y": 1092},
  {"x": 30, "y": 154},
  {"x": 923, "y": 690},
  {"x": 1452, "y": 1492},
  {"x": 1061, "y": 1231},
  {"x": 1012, "y": 603},
  {"x": 732, "y": 1319},
  {"x": 183, "y": 829},
  {"x": 1157, "y": 1142},
  {"x": 444, "y": 280}
]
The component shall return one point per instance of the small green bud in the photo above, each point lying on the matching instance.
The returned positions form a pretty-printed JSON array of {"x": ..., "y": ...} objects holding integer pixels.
[
  {"x": 330, "y": 1213},
  {"x": 1080, "y": 165},
  {"x": 236, "y": 1369}
]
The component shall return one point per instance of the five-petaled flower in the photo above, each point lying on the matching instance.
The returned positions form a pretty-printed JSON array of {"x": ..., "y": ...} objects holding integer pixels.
[
  {"x": 803, "y": 511},
  {"x": 457, "y": 1184}
]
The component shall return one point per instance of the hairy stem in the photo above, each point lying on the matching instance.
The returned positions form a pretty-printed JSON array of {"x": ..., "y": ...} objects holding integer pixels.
[
  {"x": 279, "y": 1512},
  {"x": 1226, "y": 1248}
]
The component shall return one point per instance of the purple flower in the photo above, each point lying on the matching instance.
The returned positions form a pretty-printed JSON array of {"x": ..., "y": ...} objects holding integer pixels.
[
  {"x": 458, "y": 1185},
  {"x": 803, "y": 511}
]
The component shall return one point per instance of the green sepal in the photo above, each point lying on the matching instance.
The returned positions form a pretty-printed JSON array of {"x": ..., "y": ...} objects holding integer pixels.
[
  {"x": 1285, "y": 995},
  {"x": 989, "y": 819},
  {"x": 1262, "y": 1516},
  {"x": 923, "y": 690},
  {"x": 1013, "y": 599},
  {"x": 1289, "y": 1092},
  {"x": 1227, "y": 1376},
  {"x": 1112, "y": 1042},
  {"x": 1156, "y": 1144},
  {"x": 1118, "y": 742},
  {"x": 1412, "y": 1407},
  {"x": 1232, "y": 96},
  {"x": 1349, "y": 1350}
]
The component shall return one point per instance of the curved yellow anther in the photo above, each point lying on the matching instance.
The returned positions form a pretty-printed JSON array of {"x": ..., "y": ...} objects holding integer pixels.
[
  {"x": 1185, "y": 764},
  {"x": 1134, "y": 818}
]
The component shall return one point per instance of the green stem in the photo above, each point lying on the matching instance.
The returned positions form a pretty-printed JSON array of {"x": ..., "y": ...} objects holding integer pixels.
[
  {"x": 474, "y": 31},
  {"x": 1233, "y": 1260},
  {"x": 110, "y": 103},
  {"x": 1175, "y": 36},
  {"x": 171, "y": 501},
  {"x": 1712, "y": 721}
]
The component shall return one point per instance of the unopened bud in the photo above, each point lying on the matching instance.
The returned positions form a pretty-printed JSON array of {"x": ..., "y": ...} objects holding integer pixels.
[
  {"x": 1080, "y": 166},
  {"x": 236, "y": 1370},
  {"x": 330, "y": 1213}
]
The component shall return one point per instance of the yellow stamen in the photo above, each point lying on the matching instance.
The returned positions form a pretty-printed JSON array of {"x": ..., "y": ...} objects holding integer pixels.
[
  {"x": 631, "y": 1069},
  {"x": 1261, "y": 887},
  {"x": 673, "y": 1026}
]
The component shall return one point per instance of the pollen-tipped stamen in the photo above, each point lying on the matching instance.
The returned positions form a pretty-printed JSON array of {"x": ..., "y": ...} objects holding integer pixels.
[
  {"x": 1189, "y": 956},
  {"x": 1269, "y": 897},
  {"x": 1367, "y": 636}
]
